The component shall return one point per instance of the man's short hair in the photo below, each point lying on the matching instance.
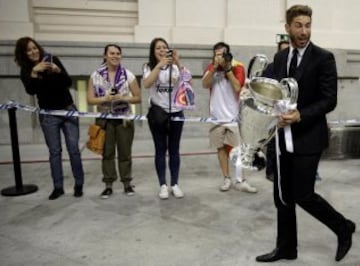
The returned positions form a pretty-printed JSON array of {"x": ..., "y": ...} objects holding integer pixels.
[{"x": 297, "y": 10}]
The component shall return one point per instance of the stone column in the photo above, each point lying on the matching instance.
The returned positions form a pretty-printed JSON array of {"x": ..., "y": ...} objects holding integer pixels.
[{"x": 15, "y": 19}]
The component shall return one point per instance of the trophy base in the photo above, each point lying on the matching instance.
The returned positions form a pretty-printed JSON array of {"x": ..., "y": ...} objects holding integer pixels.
[
  {"x": 249, "y": 166},
  {"x": 245, "y": 157}
]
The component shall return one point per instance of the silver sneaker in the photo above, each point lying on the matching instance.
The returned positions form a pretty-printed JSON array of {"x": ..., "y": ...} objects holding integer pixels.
[
  {"x": 245, "y": 187},
  {"x": 226, "y": 185}
]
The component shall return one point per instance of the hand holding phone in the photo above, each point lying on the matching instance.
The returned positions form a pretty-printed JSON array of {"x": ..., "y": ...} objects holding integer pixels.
[
  {"x": 169, "y": 53},
  {"x": 47, "y": 58}
]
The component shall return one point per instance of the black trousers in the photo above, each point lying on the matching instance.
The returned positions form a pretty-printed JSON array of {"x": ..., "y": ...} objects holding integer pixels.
[
  {"x": 270, "y": 157},
  {"x": 297, "y": 187}
]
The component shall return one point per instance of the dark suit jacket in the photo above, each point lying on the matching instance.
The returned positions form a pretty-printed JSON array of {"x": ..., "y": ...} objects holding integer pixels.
[
  {"x": 269, "y": 71},
  {"x": 317, "y": 80}
]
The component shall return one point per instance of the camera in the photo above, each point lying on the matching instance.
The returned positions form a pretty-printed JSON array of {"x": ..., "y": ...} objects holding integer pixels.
[
  {"x": 169, "y": 53},
  {"x": 227, "y": 57}
]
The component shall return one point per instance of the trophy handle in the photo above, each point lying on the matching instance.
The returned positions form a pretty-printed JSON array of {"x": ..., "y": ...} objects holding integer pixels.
[
  {"x": 259, "y": 62},
  {"x": 290, "y": 89}
]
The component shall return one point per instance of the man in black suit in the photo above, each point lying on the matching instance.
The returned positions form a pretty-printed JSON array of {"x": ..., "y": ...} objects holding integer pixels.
[{"x": 315, "y": 71}]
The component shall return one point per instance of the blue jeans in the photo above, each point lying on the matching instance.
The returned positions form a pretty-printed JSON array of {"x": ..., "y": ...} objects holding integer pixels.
[
  {"x": 165, "y": 138},
  {"x": 51, "y": 126}
]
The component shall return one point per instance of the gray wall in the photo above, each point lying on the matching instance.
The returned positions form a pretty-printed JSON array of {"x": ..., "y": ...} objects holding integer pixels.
[{"x": 80, "y": 59}]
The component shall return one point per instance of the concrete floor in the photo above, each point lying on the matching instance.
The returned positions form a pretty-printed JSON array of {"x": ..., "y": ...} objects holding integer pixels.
[{"x": 207, "y": 227}]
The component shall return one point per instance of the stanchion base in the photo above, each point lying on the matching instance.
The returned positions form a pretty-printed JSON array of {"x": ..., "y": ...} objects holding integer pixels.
[{"x": 13, "y": 191}]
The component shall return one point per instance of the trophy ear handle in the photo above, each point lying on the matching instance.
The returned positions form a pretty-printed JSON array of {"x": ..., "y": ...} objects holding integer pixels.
[
  {"x": 290, "y": 89},
  {"x": 257, "y": 65}
]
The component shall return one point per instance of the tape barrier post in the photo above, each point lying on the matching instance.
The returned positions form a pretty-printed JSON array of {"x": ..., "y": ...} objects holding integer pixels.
[{"x": 19, "y": 189}]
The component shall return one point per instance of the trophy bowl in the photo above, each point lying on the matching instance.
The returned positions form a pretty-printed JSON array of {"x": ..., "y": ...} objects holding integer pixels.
[{"x": 257, "y": 119}]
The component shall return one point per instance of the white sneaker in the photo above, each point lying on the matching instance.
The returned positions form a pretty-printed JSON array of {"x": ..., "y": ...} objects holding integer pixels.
[
  {"x": 164, "y": 192},
  {"x": 176, "y": 191},
  {"x": 226, "y": 184},
  {"x": 245, "y": 186}
]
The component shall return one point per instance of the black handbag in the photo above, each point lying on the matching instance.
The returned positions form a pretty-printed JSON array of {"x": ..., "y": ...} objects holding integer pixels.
[{"x": 157, "y": 115}]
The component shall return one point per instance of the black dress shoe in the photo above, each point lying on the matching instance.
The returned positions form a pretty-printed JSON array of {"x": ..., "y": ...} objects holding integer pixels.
[
  {"x": 276, "y": 255},
  {"x": 78, "y": 191},
  {"x": 345, "y": 240},
  {"x": 57, "y": 192}
]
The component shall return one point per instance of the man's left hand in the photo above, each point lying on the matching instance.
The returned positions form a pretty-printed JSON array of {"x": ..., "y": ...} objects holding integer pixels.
[{"x": 289, "y": 118}]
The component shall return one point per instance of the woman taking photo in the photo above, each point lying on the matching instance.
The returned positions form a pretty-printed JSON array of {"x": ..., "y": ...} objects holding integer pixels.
[
  {"x": 161, "y": 75},
  {"x": 43, "y": 75},
  {"x": 113, "y": 88}
]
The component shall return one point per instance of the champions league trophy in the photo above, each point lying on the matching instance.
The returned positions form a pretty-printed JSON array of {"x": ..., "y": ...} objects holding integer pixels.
[{"x": 258, "y": 112}]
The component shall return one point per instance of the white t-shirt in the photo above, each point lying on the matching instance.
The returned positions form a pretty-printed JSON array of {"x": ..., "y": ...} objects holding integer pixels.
[
  {"x": 159, "y": 91},
  {"x": 224, "y": 101}
]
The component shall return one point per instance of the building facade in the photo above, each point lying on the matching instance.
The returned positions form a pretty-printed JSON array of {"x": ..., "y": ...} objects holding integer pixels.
[{"x": 77, "y": 31}]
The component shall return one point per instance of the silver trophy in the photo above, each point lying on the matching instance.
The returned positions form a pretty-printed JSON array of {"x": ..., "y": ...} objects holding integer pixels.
[{"x": 257, "y": 117}]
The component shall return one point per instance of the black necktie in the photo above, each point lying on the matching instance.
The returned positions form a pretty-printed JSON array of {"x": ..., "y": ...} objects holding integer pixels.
[{"x": 293, "y": 63}]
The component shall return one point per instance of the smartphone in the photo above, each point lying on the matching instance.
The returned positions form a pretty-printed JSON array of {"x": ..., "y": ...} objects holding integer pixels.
[
  {"x": 48, "y": 58},
  {"x": 169, "y": 53},
  {"x": 113, "y": 91}
]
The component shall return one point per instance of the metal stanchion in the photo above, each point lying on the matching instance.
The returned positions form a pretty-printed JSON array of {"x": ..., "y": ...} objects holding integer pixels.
[{"x": 19, "y": 188}]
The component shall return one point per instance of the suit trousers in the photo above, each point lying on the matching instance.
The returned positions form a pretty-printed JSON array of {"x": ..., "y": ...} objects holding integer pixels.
[{"x": 297, "y": 186}]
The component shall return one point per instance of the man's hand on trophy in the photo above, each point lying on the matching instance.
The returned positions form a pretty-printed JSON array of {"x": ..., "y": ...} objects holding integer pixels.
[{"x": 289, "y": 118}]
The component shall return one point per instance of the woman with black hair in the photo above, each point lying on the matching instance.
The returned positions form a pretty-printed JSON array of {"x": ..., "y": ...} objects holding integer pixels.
[
  {"x": 161, "y": 75},
  {"x": 44, "y": 75}
]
